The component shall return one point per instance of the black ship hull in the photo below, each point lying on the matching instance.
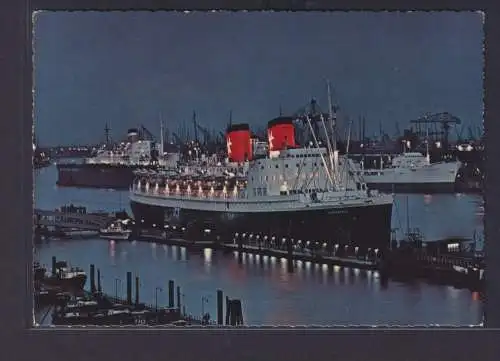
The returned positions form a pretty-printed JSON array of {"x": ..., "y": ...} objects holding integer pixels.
[
  {"x": 364, "y": 226},
  {"x": 76, "y": 283},
  {"x": 96, "y": 175}
]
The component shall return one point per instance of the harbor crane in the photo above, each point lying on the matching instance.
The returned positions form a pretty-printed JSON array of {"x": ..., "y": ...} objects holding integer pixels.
[
  {"x": 444, "y": 119},
  {"x": 146, "y": 133},
  {"x": 177, "y": 139}
]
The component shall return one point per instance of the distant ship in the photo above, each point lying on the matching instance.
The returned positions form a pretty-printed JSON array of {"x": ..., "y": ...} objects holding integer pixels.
[
  {"x": 412, "y": 172},
  {"x": 305, "y": 192},
  {"x": 113, "y": 167}
]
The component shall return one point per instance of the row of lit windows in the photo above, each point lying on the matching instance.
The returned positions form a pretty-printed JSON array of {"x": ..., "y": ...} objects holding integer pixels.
[
  {"x": 266, "y": 178},
  {"x": 286, "y": 165}
]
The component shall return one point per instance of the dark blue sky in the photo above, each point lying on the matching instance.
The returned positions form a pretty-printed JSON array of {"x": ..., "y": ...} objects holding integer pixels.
[{"x": 125, "y": 68}]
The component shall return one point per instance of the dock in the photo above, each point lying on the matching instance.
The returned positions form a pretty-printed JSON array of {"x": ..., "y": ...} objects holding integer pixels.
[
  {"x": 394, "y": 262},
  {"x": 94, "y": 307}
]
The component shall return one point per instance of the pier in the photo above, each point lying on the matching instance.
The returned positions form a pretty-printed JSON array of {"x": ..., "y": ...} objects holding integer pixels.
[
  {"x": 79, "y": 220},
  {"x": 95, "y": 307}
]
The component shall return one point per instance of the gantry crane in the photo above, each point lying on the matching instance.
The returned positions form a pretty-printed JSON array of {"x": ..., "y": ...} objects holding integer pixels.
[{"x": 445, "y": 119}]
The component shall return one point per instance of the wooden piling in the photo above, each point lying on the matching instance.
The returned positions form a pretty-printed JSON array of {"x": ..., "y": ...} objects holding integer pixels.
[
  {"x": 179, "y": 298},
  {"x": 54, "y": 261},
  {"x": 129, "y": 288},
  {"x": 136, "y": 291},
  {"x": 99, "y": 287},
  {"x": 220, "y": 308},
  {"x": 171, "y": 295},
  {"x": 228, "y": 310},
  {"x": 92, "y": 279}
]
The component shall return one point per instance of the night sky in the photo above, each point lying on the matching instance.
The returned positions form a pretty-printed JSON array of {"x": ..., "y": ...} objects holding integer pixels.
[{"x": 126, "y": 69}]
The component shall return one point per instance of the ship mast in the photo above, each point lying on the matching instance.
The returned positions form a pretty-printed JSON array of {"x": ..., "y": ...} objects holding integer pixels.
[
  {"x": 106, "y": 134},
  {"x": 325, "y": 165},
  {"x": 427, "y": 155},
  {"x": 333, "y": 126},
  {"x": 162, "y": 148}
]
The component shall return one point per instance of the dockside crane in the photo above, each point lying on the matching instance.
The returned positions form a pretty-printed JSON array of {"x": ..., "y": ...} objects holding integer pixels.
[
  {"x": 398, "y": 131},
  {"x": 177, "y": 139},
  {"x": 444, "y": 119},
  {"x": 146, "y": 134}
]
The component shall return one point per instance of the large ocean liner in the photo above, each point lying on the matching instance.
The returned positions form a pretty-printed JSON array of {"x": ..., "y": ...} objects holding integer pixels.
[
  {"x": 308, "y": 192},
  {"x": 113, "y": 167}
]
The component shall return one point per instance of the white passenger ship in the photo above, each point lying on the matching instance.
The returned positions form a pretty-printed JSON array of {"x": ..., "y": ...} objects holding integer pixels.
[{"x": 302, "y": 192}]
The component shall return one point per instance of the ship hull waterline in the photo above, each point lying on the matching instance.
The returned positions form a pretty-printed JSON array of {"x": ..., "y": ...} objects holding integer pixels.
[
  {"x": 364, "y": 226},
  {"x": 118, "y": 177},
  {"x": 428, "y": 187}
]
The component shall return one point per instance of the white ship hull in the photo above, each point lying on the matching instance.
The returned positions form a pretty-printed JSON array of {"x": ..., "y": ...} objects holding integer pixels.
[
  {"x": 437, "y": 177},
  {"x": 123, "y": 235}
]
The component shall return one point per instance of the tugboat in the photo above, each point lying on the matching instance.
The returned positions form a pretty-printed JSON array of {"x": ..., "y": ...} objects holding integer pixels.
[
  {"x": 307, "y": 192},
  {"x": 117, "y": 230},
  {"x": 64, "y": 277}
]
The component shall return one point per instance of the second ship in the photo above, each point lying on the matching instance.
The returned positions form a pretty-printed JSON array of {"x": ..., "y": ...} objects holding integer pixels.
[{"x": 114, "y": 166}]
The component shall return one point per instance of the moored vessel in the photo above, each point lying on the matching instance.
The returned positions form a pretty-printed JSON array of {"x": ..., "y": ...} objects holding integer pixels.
[
  {"x": 308, "y": 192},
  {"x": 113, "y": 166},
  {"x": 117, "y": 230},
  {"x": 64, "y": 277},
  {"x": 412, "y": 172}
]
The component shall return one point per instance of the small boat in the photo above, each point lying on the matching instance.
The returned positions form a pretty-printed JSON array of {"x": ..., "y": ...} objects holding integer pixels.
[
  {"x": 117, "y": 230},
  {"x": 65, "y": 277}
]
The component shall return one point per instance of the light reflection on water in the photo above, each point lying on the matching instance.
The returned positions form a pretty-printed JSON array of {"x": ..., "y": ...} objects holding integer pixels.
[{"x": 313, "y": 294}]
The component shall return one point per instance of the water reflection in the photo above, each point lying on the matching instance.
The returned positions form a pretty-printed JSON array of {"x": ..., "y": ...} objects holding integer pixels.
[
  {"x": 207, "y": 256},
  {"x": 153, "y": 251},
  {"x": 270, "y": 294},
  {"x": 313, "y": 293}
]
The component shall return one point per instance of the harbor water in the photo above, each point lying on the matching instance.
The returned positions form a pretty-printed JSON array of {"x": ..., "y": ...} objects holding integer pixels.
[{"x": 312, "y": 295}]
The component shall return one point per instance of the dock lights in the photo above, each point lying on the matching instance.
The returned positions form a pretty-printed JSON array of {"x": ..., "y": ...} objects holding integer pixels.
[
  {"x": 235, "y": 191},
  {"x": 142, "y": 220},
  {"x": 183, "y": 229},
  {"x": 200, "y": 191},
  {"x": 177, "y": 189},
  {"x": 324, "y": 245},
  {"x": 207, "y": 231},
  {"x": 189, "y": 189},
  {"x": 356, "y": 249},
  {"x": 236, "y": 235},
  {"x": 154, "y": 225},
  {"x": 243, "y": 235},
  {"x": 139, "y": 185},
  {"x": 283, "y": 240},
  {"x": 250, "y": 236},
  {"x": 376, "y": 252},
  {"x": 265, "y": 238},
  {"x": 166, "y": 226},
  {"x": 212, "y": 191},
  {"x": 257, "y": 237},
  {"x": 308, "y": 242},
  {"x": 156, "y": 188},
  {"x": 147, "y": 187},
  {"x": 299, "y": 242},
  {"x": 167, "y": 189}
]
